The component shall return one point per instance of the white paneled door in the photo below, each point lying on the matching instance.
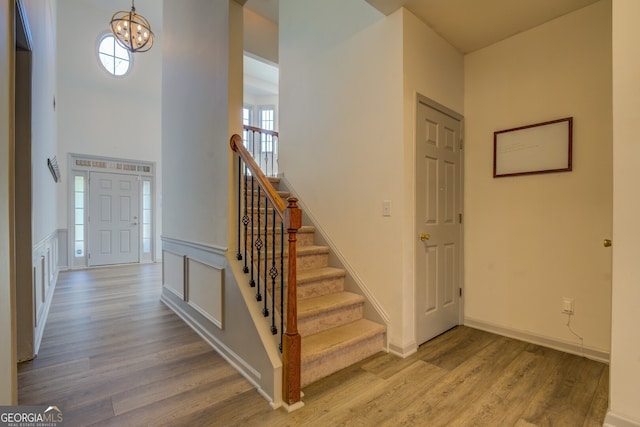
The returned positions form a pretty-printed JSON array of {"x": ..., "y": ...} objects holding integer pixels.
[
  {"x": 113, "y": 222},
  {"x": 438, "y": 222}
]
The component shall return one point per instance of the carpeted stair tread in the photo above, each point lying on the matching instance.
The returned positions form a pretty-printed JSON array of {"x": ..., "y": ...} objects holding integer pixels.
[
  {"x": 311, "y": 250},
  {"x": 326, "y": 303},
  {"x": 319, "y": 345},
  {"x": 321, "y": 273}
]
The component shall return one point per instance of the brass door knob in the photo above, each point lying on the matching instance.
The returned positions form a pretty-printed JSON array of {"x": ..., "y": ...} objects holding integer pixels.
[
  {"x": 424, "y": 236},
  {"x": 606, "y": 243}
]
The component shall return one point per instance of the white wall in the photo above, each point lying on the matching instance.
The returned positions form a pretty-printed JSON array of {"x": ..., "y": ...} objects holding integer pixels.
[
  {"x": 341, "y": 133},
  {"x": 195, "y": 134},
  {"x": 97, "y": 113},
  {"x": 42, "y": 20},
  {"x": 349, "y": 78},
  {"x": 625, "y": 346},
  {"x": 432, "y": 68},
  {"x": 532, "y": 240},
  {"x": 8, "y": 379}
]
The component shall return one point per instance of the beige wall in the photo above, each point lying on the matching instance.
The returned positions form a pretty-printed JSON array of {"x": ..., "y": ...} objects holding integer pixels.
[
  {"x": 8, "y": 385},
  {"x": 532, "y": 240},
  {"x": 260, "y": 36},
  {"x": 625, "y": 346}
]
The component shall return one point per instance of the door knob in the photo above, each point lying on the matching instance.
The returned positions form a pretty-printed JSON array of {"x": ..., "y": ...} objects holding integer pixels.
[
  {"x": 606, "y": 243},
  {"x": 424, "y": 236}
]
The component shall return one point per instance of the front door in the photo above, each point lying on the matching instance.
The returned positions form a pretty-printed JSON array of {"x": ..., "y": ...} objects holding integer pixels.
[
  {"x": 113, "y": 219},
  {"x": 438, "y": 221}
]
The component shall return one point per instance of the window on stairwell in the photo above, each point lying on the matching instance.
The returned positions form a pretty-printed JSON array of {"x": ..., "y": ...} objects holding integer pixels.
[
  {"x": 247, "y": 120},
  {"x": 266, "y": 120}
]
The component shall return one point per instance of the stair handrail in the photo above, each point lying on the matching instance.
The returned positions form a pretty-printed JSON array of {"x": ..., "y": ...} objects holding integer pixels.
[
  {"x": 291, "y": 217},
  {"x": 267, "y": 140},
  {"x": 260, "y": 130},
  {"x": 256, "y": 172}
]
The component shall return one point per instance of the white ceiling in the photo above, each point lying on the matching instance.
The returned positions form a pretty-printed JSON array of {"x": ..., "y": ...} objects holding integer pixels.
[
  {"x": 260, "y": 78},
  {"x": 467, "y": 24}
]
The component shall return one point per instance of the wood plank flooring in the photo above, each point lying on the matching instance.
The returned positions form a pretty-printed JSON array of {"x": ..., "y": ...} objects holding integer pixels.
[{"x": 113, "y": 355}]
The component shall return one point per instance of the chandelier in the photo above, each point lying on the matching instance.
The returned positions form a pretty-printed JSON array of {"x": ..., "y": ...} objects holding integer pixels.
[{"x": 132, "y": 31}]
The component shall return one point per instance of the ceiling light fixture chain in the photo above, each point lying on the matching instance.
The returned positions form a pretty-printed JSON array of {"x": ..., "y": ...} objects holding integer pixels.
[{"x": 132, "y": 30}]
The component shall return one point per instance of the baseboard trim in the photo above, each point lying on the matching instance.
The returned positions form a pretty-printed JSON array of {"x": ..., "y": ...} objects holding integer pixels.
[
  {"x": 44, "y": 314},
  {"x": 615, "y": 420},
  {"x": 402, "y": 351},
  {"x": 589, "y": 353}
]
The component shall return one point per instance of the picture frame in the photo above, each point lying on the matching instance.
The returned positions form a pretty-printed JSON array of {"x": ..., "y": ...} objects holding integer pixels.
[{"x": 533, "y": 149}]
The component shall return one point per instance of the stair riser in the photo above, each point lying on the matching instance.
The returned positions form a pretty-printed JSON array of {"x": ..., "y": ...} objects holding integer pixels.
[
  {"x": 308, "y": 290},
  {"x": 329, "y": 319},
  {"x": 274, "y": 182},
  {"x": 254, "y": 196},
  {"x": 314, "y": 370}
]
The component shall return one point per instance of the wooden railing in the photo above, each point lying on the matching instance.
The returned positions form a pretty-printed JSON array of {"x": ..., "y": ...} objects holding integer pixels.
[
  {"x": 254, "y": 236},
  {"x": 263, "y": 146}
]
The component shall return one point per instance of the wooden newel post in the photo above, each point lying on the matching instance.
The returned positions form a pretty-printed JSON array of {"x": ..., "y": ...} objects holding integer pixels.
[{"x": 291, "y": 345}]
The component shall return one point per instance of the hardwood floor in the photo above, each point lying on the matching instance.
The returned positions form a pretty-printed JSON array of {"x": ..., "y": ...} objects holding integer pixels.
[{"x": 113, "y": 354}]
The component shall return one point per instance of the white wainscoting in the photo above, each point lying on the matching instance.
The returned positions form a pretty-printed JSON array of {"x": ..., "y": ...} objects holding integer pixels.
[
  {"x": 173, "y": 273},
  {"x": 205, "y": 289},
  {"x": 45, "y": 274},
  {"x": 199, "y": 284}
]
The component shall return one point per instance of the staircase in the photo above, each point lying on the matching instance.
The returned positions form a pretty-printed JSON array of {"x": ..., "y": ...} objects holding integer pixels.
[{"x": 330, "y": 320}]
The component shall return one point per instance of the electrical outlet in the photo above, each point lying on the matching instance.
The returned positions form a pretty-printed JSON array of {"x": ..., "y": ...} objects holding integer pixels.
[{"x": 568, "y": 305}]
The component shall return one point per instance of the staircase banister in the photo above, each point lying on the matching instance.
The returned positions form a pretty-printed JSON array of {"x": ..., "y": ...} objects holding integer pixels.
[
  {"x": 256, "y": 172},
  {"x": 260, "y": 130}
]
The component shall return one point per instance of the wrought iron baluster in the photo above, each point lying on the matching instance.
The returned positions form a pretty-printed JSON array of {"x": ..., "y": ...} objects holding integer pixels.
[
  {"x": 259, "y": 245},
  {"x": 252, "y": 282},
  {"x": 265, "y": 310},
  {"x": 245, "y": 221},
  {"x": 282, "y": 313},
  {"x": 239, "y": 254},
  {"x": 273, "y": 273}
]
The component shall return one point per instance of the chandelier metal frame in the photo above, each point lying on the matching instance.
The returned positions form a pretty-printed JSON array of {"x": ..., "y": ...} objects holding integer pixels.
[{"x": 124, "y": 24}]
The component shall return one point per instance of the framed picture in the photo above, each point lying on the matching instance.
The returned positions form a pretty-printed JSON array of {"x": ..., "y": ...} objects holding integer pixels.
[{"x": 538, "y": 148}]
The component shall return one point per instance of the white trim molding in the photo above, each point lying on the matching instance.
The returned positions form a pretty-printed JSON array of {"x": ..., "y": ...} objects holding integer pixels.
[
  {"x": 567, "y": 347},
  {"x": 615, "y": 420},
  {"x": 45, "y": 276}
]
